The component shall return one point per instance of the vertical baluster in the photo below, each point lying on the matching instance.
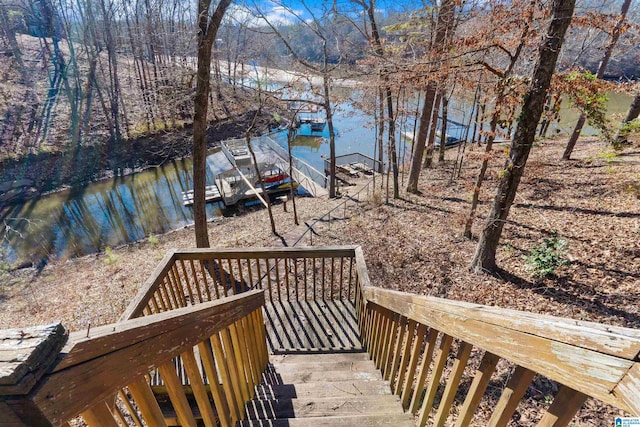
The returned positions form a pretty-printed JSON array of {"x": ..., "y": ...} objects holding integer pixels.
[
  {"x": 406, "y": 354},
  {"x": 154, "y": 304},
  {"x": 224, "y": 280},
  {"x": 278, "y": 284},
  {"x": 237, "y": 336},
  {"x": 342, "y": 278},
  {"x": 199, "y": 390},
  {"x": 295, "y": 277},
  {"x": 268, "y": 273},
  {"x": 511, "y": 395},
  {"x": 333, "y": 277},
  {"x": 232, "y": 278},
  {"x": 398, "y": 351},
  {"x": 413, "y": 364},
  {"x": 230, "y": 341},
  {"x": 179, "y": 285},
  {"x": 175, "y": 302},
  {"x": 564, "y": 407},
  {"x": 306, "y": 280},
  {"x": 476, "y": 390},
  {"x": 176, "y": 394},
  {"x": 323, "y": 279},
  {"x": 434, "y": 380},
  {"x": 424, "y": 370},
  {"x": 220, "y": 396},
  {"x": 207, "y": 289},
  {"x": 196, "y": 282},
  {"x": 241, "y": 276},
  {"x": 187, "y": 282},
  {"x": 452, "y": 384},
  {"x": 315, "y": 274},
  {"x": 350, "y": 279},
  {"x": 250, "y": 272},
  {"x": 286, "y": 278},
  {"x": 146, "y": 402},
  {"x": 159, "y": 295},
  {"x": 226, "y": 363},
  {"x": 390, "y": 346},
  {"x": 132, "y": 412},
  {"x": 99, "y": 416}
]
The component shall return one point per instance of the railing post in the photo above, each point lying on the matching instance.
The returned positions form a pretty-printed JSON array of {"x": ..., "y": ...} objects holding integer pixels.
[{"x": 26, "y": 354}]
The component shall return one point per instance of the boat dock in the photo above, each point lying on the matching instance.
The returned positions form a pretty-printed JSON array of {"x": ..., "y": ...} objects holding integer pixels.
[{"x": 235, "y": 178}]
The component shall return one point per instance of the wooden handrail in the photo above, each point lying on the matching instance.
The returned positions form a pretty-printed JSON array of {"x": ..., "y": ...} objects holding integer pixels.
[
  {"x": 93, "y": 369},
  {"x": 588, "y": 359}
]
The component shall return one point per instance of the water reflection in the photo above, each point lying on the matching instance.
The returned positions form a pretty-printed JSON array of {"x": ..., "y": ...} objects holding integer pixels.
[{"x": 123, "y": 210}]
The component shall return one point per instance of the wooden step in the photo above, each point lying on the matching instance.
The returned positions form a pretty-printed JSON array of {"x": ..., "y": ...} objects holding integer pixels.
[
  {"x": 324, "y": 407},
  {"x": 344, "y": 389},
  {"x": 282, "y": 359},
  {"x": 302, "y": 376},
  {"x": 400, "y": 420},
  {"x": 363, "y": 365}
]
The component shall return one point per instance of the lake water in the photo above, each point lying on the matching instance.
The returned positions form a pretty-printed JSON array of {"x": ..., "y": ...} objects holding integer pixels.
[{"x": 126, "y": 209}]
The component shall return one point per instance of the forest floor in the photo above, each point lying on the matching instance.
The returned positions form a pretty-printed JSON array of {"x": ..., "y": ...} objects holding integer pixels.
[{"x": 415, "y": 244}]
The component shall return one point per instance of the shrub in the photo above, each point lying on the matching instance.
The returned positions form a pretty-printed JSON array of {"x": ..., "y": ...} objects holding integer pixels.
[{"x": 544, "y": 259}]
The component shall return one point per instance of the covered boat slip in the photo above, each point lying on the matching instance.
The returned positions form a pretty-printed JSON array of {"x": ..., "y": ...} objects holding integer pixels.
[{"x": 236, "y": 179}]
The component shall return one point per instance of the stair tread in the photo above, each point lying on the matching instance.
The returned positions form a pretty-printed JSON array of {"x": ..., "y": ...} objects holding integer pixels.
[
  {"x": 349, "y": 388},
  {"x": 319, "y": 358},
  {"x": 323, "y": 407},
  {"x": 306, "y": 376},
  {"x": 400, "y": 420}
]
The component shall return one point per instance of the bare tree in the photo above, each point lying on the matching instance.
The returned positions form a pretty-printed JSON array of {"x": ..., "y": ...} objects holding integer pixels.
[
  {"x": 208, "y": 25},
  {"x": 485, "y": 255}
]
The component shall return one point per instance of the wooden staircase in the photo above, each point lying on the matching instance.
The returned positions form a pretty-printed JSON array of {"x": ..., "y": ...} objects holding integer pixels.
[{"x": 338, "y": 389}]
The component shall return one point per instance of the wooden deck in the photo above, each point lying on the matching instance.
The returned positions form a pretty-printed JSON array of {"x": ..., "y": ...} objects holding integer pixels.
[{"x": 311, "y": 326}]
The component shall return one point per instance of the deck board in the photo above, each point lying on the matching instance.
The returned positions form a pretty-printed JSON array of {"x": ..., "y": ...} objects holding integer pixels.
[{"x": 311, "y": 326}]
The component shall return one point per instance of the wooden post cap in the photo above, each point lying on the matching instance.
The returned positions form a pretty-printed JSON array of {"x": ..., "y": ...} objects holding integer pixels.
[{"x": 26, "y": 354}]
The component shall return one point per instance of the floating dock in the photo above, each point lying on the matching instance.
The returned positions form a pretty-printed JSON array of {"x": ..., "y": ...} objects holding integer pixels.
[{"x": 236, "y": 179}]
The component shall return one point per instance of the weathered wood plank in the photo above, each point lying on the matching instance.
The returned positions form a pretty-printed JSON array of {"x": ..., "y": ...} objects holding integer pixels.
[
  {"x": 267, "y": 252},
  {"x": 478, "y": 386},
  {"x": 565, "y": 405},
  {"x": 146, "y": 402},
  {"x": 99, "y": 416},
  {"x": 128, "y": 349},
  {"x": 176, "y": 394},
  {"x": 511, "y": 396},
  {"x": 423, "y": 371},
  {"x": 589, "y": 371},
  {"x": 413, "y": 364},
  {"x": 434, "y": 379},
  {"x": 606, "y": 339},
  {"x": 452, "y": 384},
  {"x": 26, "y": 354},
  {"x": 628, "y": 388}
]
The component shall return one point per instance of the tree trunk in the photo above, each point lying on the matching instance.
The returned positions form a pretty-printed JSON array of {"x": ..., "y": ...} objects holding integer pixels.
[
  {"x": 615, "y": 35},
  {"x": 421, "y": 139},
  {"x": 443, "y": 131},
  {"x": 207, "y": 30},
  {"x": 444, "y": 27},
  {"x": 634, "y": 111},
  {"x": 485, "y": 255},
  {"x": 428, "y": 159}
]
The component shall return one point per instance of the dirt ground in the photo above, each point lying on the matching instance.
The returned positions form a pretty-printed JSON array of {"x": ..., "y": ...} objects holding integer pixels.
[{"x": 415, "y": 244}]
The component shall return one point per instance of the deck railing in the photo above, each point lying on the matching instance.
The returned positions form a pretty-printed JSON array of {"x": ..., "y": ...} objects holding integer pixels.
[
  {"x": 444, "y": 359},
  {"x": 194, "y": 276},
  {"x": 218, "y": 349},
  {"x": 415, "y": 339}
]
